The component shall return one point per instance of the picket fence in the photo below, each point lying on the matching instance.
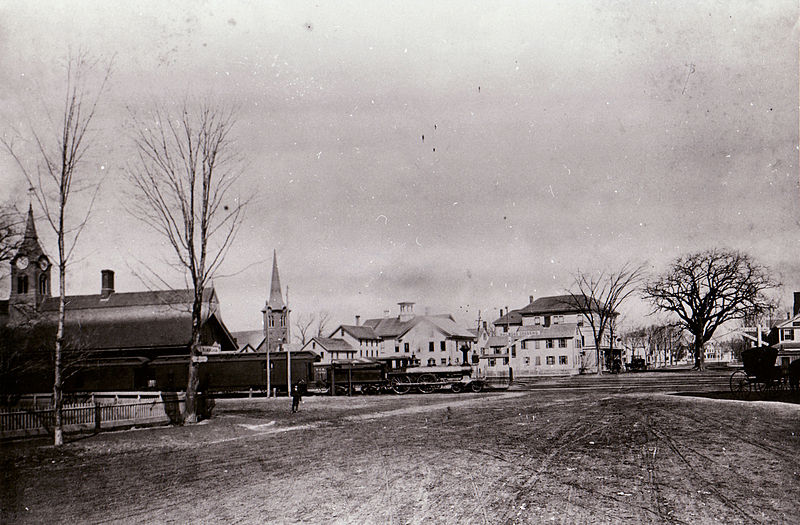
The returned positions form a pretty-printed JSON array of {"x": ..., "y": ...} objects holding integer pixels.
[{"x": 104, "y": 412}]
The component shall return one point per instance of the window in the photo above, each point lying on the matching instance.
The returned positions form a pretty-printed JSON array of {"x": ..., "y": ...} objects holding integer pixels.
[
  {"x": 491, "y": 362},
  {"x": 537, "y": 320},
  {"x": 562, "y": 343},
  {"x": 538, "y": 360},
  {"x": 505, "y": 360},
  {"x": 578, "y": 343},
  {"x": 443, "y": 346},
  {"x": 22, "y": 284},
  {"x": 556, "y": 319},
  {"x": 523, "y": 345},
  {"x": 430, "y": 346},
  {"x": 513, "y": 351},
  {"x": 431, "y": 362},
  {"x": 405, "y": 346},
  {"x": 527, "y": 361},
  {"x": 788, "y": 334},
  {"x": 444, "y": 360},
  {"x": 538, "y": 345},
  {"x": 551, "y": 360},
  {"x": 271, "y": 321},
  {"x": 396, "y": 349},
  {"x": 321, "y": 356},
  {"x": 562, "y": 360},
  {"x": 549, "y": 343},
  {"x": 546, "y": 320},
  {"x": 42, "y": 285}
]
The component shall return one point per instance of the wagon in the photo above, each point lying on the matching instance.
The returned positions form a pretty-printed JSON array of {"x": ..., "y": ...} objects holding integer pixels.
[{"x": 758, "y": 372}]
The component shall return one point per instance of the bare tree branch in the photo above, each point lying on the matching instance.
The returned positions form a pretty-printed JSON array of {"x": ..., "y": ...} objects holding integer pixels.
[
  {"x": 57, "y": 178},
  {"x": 186, "y": 167},
  {"x": 706, "y": 289},
  {"x": 598, "y": 296}
]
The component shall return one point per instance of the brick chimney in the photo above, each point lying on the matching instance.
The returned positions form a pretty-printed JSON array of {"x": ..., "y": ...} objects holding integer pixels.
[
  {"x": 107, "y": 283},
  {"x": 796, "y": 306},
  {"x": 358, "y": 320},
  {"x": 530, "y": 299}
]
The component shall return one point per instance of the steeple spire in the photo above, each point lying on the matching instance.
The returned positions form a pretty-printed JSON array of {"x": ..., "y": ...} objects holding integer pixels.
[
  {"x": 275, "y": 298},
  {"x": 30, "y": 226}
]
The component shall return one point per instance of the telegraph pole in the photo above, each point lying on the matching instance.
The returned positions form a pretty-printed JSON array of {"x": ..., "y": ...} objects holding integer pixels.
[{"x": 266, "y": 346}]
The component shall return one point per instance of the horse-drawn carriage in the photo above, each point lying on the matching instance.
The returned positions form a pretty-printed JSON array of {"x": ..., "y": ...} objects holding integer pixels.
[{"x": 759, "y": 372}]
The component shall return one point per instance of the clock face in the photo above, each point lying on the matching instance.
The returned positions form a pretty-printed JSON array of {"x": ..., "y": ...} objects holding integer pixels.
[
  {"x": 22, "y": 262},
  {"x": 44, "y": 264}
]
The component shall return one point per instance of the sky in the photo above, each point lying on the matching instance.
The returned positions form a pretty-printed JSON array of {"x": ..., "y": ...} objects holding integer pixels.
[{"x": 463, "y": 157}]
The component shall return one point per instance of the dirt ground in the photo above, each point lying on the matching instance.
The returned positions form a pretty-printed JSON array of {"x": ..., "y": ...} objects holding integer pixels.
[{"x": 614, "y": 451}]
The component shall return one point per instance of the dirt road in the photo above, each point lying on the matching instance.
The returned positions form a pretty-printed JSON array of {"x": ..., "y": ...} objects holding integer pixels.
[{"x": 516, "y": 457}]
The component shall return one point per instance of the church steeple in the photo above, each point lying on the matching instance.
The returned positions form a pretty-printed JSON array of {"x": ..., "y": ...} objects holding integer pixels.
[
  {"x": 30, "y": 226},
  {"x": 276, "y": 312},
  {"x": 275, "y": 298}
]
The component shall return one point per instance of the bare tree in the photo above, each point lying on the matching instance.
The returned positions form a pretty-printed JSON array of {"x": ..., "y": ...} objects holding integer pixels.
[
  {"x": 598, "y": 295},
  {"x": 10, "y": 223},
  {"x": 187, "y": 166},
  {"x": 57, "y": 180},
  {"x": 323, "y": 318},
  {"x": 303, "y": 325},
  {"x": 708, "y": 288}
]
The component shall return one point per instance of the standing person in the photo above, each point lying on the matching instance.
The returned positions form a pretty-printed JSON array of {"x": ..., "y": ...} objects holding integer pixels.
[{"x": 298, "y": 389}]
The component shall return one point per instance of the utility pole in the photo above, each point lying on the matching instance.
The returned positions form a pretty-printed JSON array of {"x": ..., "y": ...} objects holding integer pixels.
[
  {"x": 266, "y": 347},
  {"x": 288, "y": 370}
]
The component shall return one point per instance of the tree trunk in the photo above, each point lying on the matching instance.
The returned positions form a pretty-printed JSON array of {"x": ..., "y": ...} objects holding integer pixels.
[
  {"x": 190, "y": 415},
  {"x": 699, "y": 354},
  {"x": 58, "y": 430}
]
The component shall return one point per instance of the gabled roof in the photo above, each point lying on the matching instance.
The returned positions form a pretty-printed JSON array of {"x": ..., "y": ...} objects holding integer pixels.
[
  {"x": 248, "y": 337},
  {"x": 333, "y": 344},
  {"x": 511, "y": 318},
  {"x": 554, "y": 304},
  {"x": 449, "y": 326},
  {"x": 173, "y": 299},
  {"x": 358, "y": 331},
  {"x": 497, "y": 340},
  {"x": 393, "y": 327},
  {"x": 137, "y": 320}
]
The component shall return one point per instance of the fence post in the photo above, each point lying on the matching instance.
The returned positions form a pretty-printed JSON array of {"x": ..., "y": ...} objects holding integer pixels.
[{"x": 97, "y": 418}]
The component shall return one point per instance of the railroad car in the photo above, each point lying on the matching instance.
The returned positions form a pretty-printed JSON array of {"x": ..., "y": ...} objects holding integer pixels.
[{"x": 398, "y": 375}]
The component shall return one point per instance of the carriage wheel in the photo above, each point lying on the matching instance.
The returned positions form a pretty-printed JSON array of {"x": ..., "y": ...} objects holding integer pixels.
[
  {"x": 476, "y": 386},
  {"x": 399, "y": 384},
  {"x": 426, "y": 388},
  {"x": 739, "y": 383},
  {"x": 457, "y": 388}
]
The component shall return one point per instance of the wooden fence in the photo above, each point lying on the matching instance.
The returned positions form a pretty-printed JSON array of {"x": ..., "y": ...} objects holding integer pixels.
[{"x": 101, "y": 414}]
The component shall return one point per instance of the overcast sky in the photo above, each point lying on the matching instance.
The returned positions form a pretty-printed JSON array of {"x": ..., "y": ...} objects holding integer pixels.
[{"x": 555, "y": 139}]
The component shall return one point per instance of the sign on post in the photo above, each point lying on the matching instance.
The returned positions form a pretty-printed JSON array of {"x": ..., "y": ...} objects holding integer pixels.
[{"x": 199, "y": 358}]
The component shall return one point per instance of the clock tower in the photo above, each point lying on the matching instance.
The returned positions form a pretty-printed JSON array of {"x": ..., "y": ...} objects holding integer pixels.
[{"x": 30, "y": 270}]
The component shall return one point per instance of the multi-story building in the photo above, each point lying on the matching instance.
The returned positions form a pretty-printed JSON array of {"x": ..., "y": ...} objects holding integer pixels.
[
  {"x": 785, "y": 336},
  {"x": 430, "y": 339},
  {"x": 554, "y": 315}
]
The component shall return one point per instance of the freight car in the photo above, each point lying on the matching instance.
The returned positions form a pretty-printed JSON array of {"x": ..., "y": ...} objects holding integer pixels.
[
  {"x": 231, "y": 373},
  {"x": 221, "y": 372},
  {"x": 398, "y": 375}
]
